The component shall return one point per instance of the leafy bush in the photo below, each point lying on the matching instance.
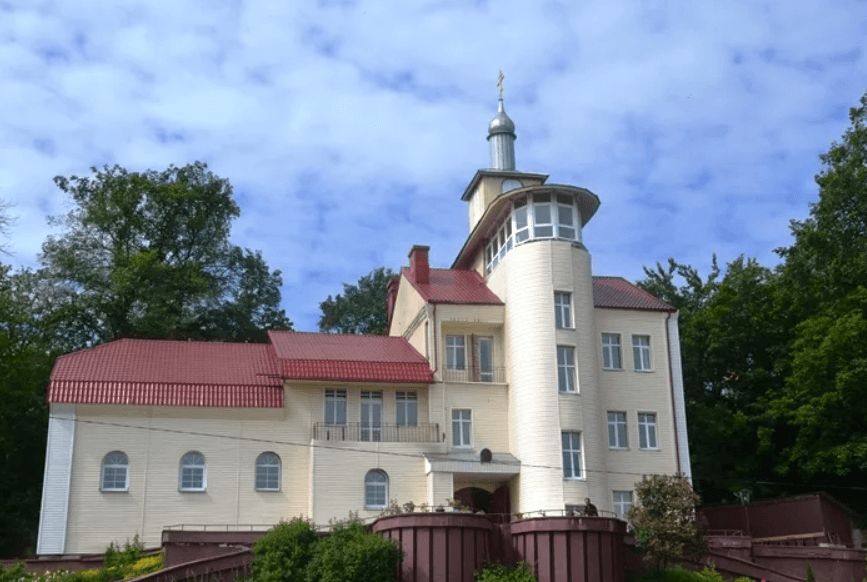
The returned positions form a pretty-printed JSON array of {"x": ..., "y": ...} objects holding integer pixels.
[
  {"x": 678, "y": 574},
  {"x": 499, "y": 573},
  {"x": 282, "y": 555},
  {"x": 144, "y": 566},
  {"x": 14, "y": 573},
  {"x": 129, "y": 555},
  {"x": 351, "y": 554}
]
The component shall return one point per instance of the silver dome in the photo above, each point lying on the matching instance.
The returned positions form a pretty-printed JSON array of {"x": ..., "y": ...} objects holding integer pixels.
[{"x": 502, "y": 123}]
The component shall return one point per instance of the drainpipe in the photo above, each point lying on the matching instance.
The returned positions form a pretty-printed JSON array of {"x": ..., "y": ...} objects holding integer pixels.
[{"x": 671, "y": 386}]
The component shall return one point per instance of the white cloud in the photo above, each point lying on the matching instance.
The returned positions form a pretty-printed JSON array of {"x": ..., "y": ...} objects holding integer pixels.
[{"x": 349, "y": 129}]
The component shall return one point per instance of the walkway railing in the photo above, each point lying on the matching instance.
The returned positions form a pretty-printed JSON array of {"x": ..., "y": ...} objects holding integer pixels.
[
  {"x": 382, "y": 433},
  {"x": 475, "y": 374}
]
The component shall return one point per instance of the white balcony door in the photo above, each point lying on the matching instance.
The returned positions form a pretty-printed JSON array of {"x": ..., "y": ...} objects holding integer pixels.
[
  {"x": 371, "y": 416},
  {"x": 486, "y": 359}
]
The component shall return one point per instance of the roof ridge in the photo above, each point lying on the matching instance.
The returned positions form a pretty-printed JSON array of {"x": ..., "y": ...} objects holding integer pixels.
[
  {"x": 172, "y": 383},
  {"x": 329, "y": 334}
]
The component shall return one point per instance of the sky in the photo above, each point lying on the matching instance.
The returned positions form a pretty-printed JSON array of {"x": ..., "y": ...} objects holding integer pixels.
[{"x": 349, "y": 129}]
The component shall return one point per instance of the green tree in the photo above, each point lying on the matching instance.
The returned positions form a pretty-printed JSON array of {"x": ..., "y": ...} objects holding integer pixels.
[
  {"x": 148, "y": 255},
  {"x": 820, "y": 407},
  {"x": 25, "y": 364},
  {"x": 361, "y": 308},
  {"x": 733, "y": 348},
  {"x": 284, "y": 553},
  {"x": 664, "y": 519}
]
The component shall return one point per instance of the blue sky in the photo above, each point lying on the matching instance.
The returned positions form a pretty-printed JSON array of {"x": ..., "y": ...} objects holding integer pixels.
[{"x": 349, "y": 129}]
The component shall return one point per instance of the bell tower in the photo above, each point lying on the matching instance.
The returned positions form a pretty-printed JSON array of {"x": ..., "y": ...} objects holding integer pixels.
[{"x": 501, "y": 135}]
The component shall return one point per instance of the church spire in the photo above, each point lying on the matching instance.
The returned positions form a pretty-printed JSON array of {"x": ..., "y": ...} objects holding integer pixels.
[{"x": 501, "y": 135}]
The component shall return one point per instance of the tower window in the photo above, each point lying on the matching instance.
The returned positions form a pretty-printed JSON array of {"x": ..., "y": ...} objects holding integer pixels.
[
  {"x": 563, "y": 310},
  {"x": 566, "y": 369},
  {"x": 572, "y": 455},
  {"x": 535, "y": 216}
]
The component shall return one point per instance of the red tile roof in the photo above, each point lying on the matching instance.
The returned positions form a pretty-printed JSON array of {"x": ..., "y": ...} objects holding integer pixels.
[
  {"x": 169, "y": 373},
  {"x": 456, "y": 286},
  {"x": 349, "y": 358},
  {"x": 618, "y": 293}
]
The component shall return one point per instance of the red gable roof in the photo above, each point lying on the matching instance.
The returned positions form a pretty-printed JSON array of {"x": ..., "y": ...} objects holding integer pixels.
[
  {"x": 457, "y": 286},
  {"x": 349, "y": 358},
  {"x": 169, "y": 373},
  {"x": 618, "y": 293}
]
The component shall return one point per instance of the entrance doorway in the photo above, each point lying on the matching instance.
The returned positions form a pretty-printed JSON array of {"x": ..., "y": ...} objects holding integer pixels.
[{"x": 479, "y": 499}]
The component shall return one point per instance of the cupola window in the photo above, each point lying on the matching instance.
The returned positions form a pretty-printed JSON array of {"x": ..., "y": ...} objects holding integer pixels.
[{"x": 534, "y": 217}]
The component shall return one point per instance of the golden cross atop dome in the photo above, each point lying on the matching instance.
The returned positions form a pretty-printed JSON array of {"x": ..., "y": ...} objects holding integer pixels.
[{"x": 500, "y": 78}]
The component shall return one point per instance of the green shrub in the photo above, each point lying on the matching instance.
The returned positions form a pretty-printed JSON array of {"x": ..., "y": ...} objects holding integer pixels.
[
  {"x": 115, "y": 557},
  {"x": 808, "y": 573},
  {"x": 679, "y": 574},
  {"x": 351, "y": 554},
  {"x": 15, "y": 573},
  {"x": 143, "y": 566},
  {"x": 499, "y": 573},
  {"x": 282, "y": 554}
]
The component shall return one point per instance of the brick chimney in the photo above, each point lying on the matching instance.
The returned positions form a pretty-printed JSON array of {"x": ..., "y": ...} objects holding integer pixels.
[{"x": 419, "y": 268}]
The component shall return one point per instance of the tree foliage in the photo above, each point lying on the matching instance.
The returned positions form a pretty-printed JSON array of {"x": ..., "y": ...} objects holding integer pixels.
[
  {"x": 664, "y": 519},
  {"x": 148, "y": 255},
  {"x": 361, "y": 308},
  {"x": 351, "y": 554},
  {"x": 25, "y": 363},
  {"x": 283, "y": 554},
  {"x": 775, "y": 375}
]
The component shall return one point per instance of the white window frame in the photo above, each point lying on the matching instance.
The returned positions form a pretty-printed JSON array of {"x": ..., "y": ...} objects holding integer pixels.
[
  {"x": 267, "y": 461},
  {"x": 641, "y": 360},
  {"x": 550, "y": 205},
  {"x": 648, "y": 434},
  {"x": 458, "y": 424},
  {"x": 187, "y": 462},
  {"x": 114, "y": 461},
  {"x": 610, "y": 347},
  {"x": 563, "y": 310},
  {"x": 572, "y": 458},
  {"x": 404, "y": 402},
  {"x": 617, "y": 421},
  {"x": 453, "y": 346},
  {"x": 371, "y": 486},
  {"x": 623, "y": 502},
  {"x": 567, "y": 380},
  {"x": 336, "y": 397}
]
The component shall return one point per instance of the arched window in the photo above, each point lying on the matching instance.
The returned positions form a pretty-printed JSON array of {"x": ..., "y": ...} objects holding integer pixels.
[
  {"x": 268, "y": 472},
  {"x": 375, "y": 489},
  {"x": 194, "y": 472},
  {"x": 115, "y": 472}
]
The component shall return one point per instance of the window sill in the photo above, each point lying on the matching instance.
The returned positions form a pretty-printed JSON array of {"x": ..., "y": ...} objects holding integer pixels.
[
  {"x": 568, "y": 392},
  {"x": 375, "y": 507},
  {"x": 612, "y": 369},
  {"x": 644, "y": 371},
  {"x": 619, "y": 449},
  {"x": 192, "y": 490},
  {"x": 267, "y": 491},
  {"x": 114, "y": 490},
  {"x": 650, "y": 450},
  {"x": 581, "y": 479}
]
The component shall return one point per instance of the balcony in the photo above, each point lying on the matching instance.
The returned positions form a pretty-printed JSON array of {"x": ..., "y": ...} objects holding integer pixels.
[
  {"x": 383, "y": 433},
  {"x": 476, "y": 374}
]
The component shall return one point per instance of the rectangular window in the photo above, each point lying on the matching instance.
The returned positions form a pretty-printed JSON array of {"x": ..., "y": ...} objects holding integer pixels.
[
  {"x": 641, "y": 353},
  {"x": 543, "y": 226},
  {"x": 485, "y": 354},
  {"x": 563, "y": 310},
  {"x": 407, "y": 408},
  {"x": 572, "y": 455},
  {"x": 371, "y": 416},
  {"x": 617, "y": 430},
  {"x": 622, "y": 503},
  {"x": 455, "y": 352},
  {"x": 647, "y": 431},
  {"x": 462, "y": 428},
  {"x": 335, "y": 407},
  {"x": 611, "y": 351},
  {"x": 566, "y": 368},
  {"x": 522, "y": 227},
  {"x": 565, "y": 217}
]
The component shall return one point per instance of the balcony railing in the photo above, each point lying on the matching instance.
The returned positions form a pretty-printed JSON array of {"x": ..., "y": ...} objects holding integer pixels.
[
  {"x": 383, "y": 433},
  {"x": 475, "y": 374}
]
